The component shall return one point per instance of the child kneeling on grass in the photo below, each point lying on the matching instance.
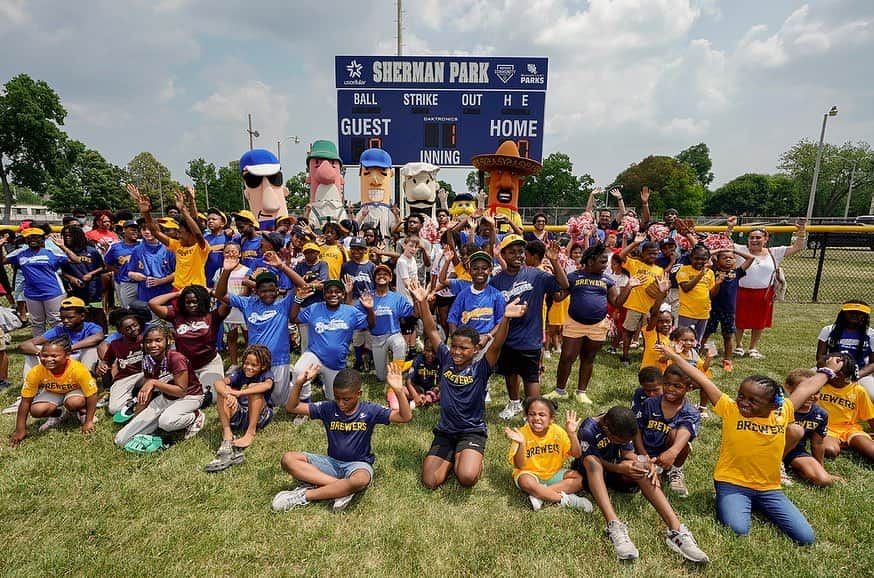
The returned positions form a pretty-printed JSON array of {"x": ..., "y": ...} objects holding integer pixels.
[
  {"x": 847, "y": 404},
  {"x": 349, "y": 423},
  {"x": 667, "y": 424},
  {"x": 747, "y": 474},
  {"x": 243, "y": 404},
  {"x": 54, "y": 388},
  {"x": 538, "y": 452},
  {"x": 609, "y": 461},
  {"x": 811, "y": 423}
]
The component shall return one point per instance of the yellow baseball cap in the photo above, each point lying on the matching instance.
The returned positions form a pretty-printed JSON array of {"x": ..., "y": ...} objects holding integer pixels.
[
  {"x": 511, "y": 240},
  {"x": 311, "y": 247},
  {"x": 72, "y": 303},
  {"x": 32, "y": 231},
  {"x": 247, "y": 216},
  {"x": 168, "y": 223}
]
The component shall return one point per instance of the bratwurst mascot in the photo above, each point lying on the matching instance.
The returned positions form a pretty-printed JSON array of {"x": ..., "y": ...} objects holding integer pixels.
[
  {"x": 265, "y": 188},
  {"x": 420, "y": 187},
  {"x": 325, "y": 178},
  {"x": 506, "y": 169},
  {"x": 375, "y": 173}
]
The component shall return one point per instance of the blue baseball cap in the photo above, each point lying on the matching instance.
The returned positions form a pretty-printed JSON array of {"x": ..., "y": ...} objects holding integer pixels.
[
  {"x": 260, "y": 162},
  {"x": 375, "y": 158}
]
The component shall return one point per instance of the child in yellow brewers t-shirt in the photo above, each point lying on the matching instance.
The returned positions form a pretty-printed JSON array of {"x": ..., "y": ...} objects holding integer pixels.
[
  {"x": 695, "y": 281},
  {"x": 538, "y": 452},
  {"x": 54, "y": 387},
  {"x": 641, "y": 299},
  {"x": 847, "y": 404},
  {"x": 747, "y": 474}
]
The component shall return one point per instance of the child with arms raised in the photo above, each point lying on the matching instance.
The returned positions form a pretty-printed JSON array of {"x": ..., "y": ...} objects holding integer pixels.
[
  {"x": 349, "y": 423},
  {"x": 537, "y": 454},
  {"x": 747, "y": 474},
  {"x": 667, "y": 424},
  {"x": 460, "y": 436},
  {"x": 243, "y": 403},
  {"x": 55, "y": 387},
  {"x": 608, "y": 461}
]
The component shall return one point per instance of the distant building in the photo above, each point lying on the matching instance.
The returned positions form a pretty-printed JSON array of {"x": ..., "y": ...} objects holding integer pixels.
[{"x": 21, "y": 212}]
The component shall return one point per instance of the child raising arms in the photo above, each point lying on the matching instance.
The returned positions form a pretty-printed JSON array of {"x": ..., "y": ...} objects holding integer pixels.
[
  {"x": 460, "y": 436},
  {"x": 811, "y": 423},
  {"x": 349, "y": 423},
  {"x": 747, "y": 474},
  {"x": 847, "y": 404},
  {"x": 537, "y": 454},
  {"x": 54, "y": 387}
]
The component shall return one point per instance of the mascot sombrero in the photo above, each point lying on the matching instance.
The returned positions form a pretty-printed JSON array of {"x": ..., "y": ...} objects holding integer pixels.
[
  {"x": 325, "y": 178},
  {"x": 506, "y": 169},
  {"x": 265, "y": 187}
]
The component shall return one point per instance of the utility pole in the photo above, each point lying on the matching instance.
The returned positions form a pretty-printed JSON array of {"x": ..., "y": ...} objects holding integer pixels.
[
  {"x": 253, "y": 134},
  {"x": 850, "y": 190},
  {"x": 400, "y": 27},
  {"x": 831, "y": 112}
]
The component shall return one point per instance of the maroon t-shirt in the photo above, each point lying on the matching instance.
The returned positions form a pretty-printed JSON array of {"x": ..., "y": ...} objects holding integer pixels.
[
  {"x": 176, "y": 363},
  {"x": 128, "y": 354},
  {"x": 195, "y": 335}
]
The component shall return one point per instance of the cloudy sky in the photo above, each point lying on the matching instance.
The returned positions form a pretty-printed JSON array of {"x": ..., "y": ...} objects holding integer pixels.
[{"x": 628, "y": 78}]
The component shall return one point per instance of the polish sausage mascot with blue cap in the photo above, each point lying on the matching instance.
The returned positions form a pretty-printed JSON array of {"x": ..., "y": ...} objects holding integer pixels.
[
  {"x": 376, "y": 173},
  {"x": 265, "y": 188}
]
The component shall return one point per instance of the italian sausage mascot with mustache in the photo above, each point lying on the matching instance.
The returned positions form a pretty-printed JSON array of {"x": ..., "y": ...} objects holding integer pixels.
[
  {"x": 325, "y": 178},
  {"x": 265, "y": 187},
  {"x": 506, "y": 169}
]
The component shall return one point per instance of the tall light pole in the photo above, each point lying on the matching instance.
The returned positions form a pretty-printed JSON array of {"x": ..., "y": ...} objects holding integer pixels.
[
  {"x": 294, "y": 139},
  {"x": 833, "y": 111},
  {"x": 253, "y": 134},
  {"x": 850, "y": 190}
]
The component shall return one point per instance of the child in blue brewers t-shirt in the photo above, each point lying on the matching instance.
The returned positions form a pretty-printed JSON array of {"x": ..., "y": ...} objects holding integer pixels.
[
  {"x": 349, "y": 423},
  {"x": 460, "y": 436},
  {"x": 477, "y": 303},
  {"x": 723, "y": 299},
  {"x": 667, "y": 424}
]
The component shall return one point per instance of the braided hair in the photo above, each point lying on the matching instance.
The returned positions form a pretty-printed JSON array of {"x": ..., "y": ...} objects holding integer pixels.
[
  {"x": 777, "y": 394},
  {"x": 151, "y": 366},
  {"x": 262, "y": 354}
]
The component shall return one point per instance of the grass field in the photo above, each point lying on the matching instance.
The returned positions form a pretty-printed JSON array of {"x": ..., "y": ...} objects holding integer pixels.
[{"x": 71, "y": 505}]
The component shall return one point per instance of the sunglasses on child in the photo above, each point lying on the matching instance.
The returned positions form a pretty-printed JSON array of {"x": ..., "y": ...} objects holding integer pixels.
[{"x": 254, "y": 181}]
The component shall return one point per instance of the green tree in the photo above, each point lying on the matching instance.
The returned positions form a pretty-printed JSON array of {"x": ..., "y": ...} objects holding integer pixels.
[
  {"x": 698, "y": 157},
  {"x": 834, "y": 176},
  {"x": 203, "y": 176},
  {"x": 755, "y": 195},
  {"x": 154, "y": 180},
  {"x": 555, "y": 185},
  {"x": 227, "y": 194},
  {"x": 24, "y": 196},
  {"x": 88, "y": 181},
  {"x": 298, "y": 192},
  {"x": 673, "y": 185},
  {"x": 471, "y": 181},
  {"x": 31, "y": 115}
]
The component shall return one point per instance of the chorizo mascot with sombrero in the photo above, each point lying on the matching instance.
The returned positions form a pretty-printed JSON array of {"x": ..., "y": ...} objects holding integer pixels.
[{"x": 506, "y": 169}]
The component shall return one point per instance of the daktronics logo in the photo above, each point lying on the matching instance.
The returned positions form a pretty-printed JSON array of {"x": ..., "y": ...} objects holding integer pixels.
[
  {"x": 505, "y": 72},
  {"x": 532, "y": 77}
]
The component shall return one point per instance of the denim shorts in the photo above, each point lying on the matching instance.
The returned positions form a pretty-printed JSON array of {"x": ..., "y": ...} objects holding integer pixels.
[{"x": 336, "y": 468}]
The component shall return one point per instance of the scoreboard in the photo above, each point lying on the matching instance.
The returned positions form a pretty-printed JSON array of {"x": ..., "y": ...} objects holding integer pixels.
[{"x": 441, "y": 110}]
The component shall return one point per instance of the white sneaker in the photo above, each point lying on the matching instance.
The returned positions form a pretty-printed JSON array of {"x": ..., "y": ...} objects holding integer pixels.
[
  {"x": 785, "y": 480},
  {"x": 82, "y": 414},
  {"x": 103, "y": 401},
  {"x": 196, "y": 425},
  {"x": 299, "y": 419},
  {"x": 677, "y": 478},
  {"x": 488, "y": 397},
  {"x": 284, "y": 501},
  {"x": 536, "y": 503},
  {"x": 618, "y": 534},
  {"x": 513, "y": 407},
  {"x": 341, "y": 503},
  {"x": 682, "y": 542},
  {"x": 14, "y": 407},
  {"x": 54, "y": 421},
  {"x": 547, "y": 354},
  {"x": 576, "y": 502}
]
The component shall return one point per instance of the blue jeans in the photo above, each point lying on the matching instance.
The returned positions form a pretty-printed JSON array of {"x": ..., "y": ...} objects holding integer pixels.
[
  {"x": 336, "y": 468},
  {"x": 734, "y": 505}
]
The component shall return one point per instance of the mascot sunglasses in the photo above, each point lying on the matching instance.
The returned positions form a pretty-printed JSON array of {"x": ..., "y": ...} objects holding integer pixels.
[{"x": 254, "y": 181}]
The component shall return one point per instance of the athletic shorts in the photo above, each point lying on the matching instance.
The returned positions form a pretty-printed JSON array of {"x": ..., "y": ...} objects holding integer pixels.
[
  {"x": 795, "y": 454},
  {"x": 57, "y": 399},
  {"x": 522, "y": 362},
  {"x": 846, "y": 434},
  {"x": 634, "y": 320},
  {"x": 553, "y": 479},
  {"x": 573, "y": 329},
  {"x": 723, "y": 318},
  {"x": 612, "y": 480},
  {"x": 446, "y": 445},
  {"x": 240, "y": 420},
  {"x": 445, "y": 300}
]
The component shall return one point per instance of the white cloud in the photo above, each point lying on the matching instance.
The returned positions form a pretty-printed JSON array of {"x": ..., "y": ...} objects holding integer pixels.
[
  {"x": 168, "y": 91},
  {"x": 13, "y": 12}
]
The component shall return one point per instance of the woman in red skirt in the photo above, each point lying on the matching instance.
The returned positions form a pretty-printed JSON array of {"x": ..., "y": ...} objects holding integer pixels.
[{"x": 755, "y": 295}]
